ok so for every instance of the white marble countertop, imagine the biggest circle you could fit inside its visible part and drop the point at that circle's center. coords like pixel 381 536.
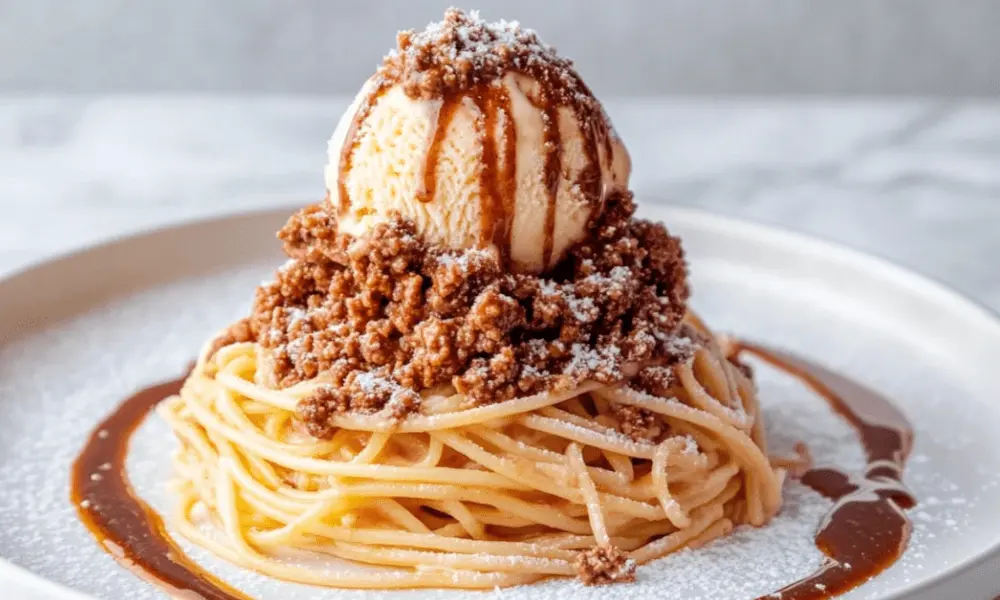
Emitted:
pixel 914 181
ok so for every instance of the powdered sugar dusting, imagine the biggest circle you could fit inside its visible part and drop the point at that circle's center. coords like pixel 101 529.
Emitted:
pixel 477 41
pixel 296 315
pixel 587 359
pixel 466 259
pixel 373 384
pixel 464 50
pixel 583 309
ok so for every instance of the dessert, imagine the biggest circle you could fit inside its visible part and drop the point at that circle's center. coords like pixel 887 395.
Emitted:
pixel 468 344
pixel 477 368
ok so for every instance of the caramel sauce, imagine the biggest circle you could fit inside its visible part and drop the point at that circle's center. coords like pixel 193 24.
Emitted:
pixel 491 210
pixel 609 149
pixel 351 140
pixel 867 528
pixel 508 178
pixel 124 525
pixel 550 176
pixel 498 175
pixel 438 130
pixel 591 178
pixel 864 532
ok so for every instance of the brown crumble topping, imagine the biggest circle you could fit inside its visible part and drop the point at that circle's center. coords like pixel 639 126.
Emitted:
pixel 655 379
pixel 237 333
pixel 695 337
pixel 358 391
pixel 464 51
pixel 602 565
pixel 382 317
pixel 638 423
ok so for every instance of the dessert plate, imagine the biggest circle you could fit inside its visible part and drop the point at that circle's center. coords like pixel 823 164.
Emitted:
pixel 79 333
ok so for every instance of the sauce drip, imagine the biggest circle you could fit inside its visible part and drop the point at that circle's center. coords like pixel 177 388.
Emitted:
pixel 438 129
pixel 125 526
pixel 608 143
pixel 550 176
pixel 591 179
pixel 497 179
pixel 351 140
pixel 866 528
pixel 508 188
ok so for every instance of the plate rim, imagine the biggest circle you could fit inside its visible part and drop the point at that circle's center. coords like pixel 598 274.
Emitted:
pixel 912 281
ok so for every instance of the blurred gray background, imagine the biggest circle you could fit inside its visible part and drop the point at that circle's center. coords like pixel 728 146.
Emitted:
pixel 636 47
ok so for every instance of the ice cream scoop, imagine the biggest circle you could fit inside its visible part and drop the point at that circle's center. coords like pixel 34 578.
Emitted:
pixel 482 136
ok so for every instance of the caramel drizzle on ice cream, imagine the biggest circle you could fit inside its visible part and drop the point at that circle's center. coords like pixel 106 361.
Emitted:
pixel 498 175
pixel 498 180
pixel 551 172
pixel 438 130
pixel 351 140
pixel 426 71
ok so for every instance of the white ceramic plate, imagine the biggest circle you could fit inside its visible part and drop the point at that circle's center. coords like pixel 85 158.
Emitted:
pixel 79 333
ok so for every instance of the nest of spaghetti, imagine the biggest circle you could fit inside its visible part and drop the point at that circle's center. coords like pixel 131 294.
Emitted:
pixel 454 424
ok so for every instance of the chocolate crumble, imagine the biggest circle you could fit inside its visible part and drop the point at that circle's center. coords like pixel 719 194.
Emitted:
pixel 238 332
pixel 464 51
pixel 382 317
pixel 358 391
pixel 602 565
pixel 638 423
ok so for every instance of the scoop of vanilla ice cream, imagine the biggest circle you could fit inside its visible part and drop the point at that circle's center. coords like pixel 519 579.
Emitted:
pixel 397 140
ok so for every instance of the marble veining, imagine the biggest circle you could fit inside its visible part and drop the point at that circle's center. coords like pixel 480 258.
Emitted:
pixel 915 181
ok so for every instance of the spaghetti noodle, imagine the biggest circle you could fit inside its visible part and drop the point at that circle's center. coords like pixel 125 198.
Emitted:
pixel 497 495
